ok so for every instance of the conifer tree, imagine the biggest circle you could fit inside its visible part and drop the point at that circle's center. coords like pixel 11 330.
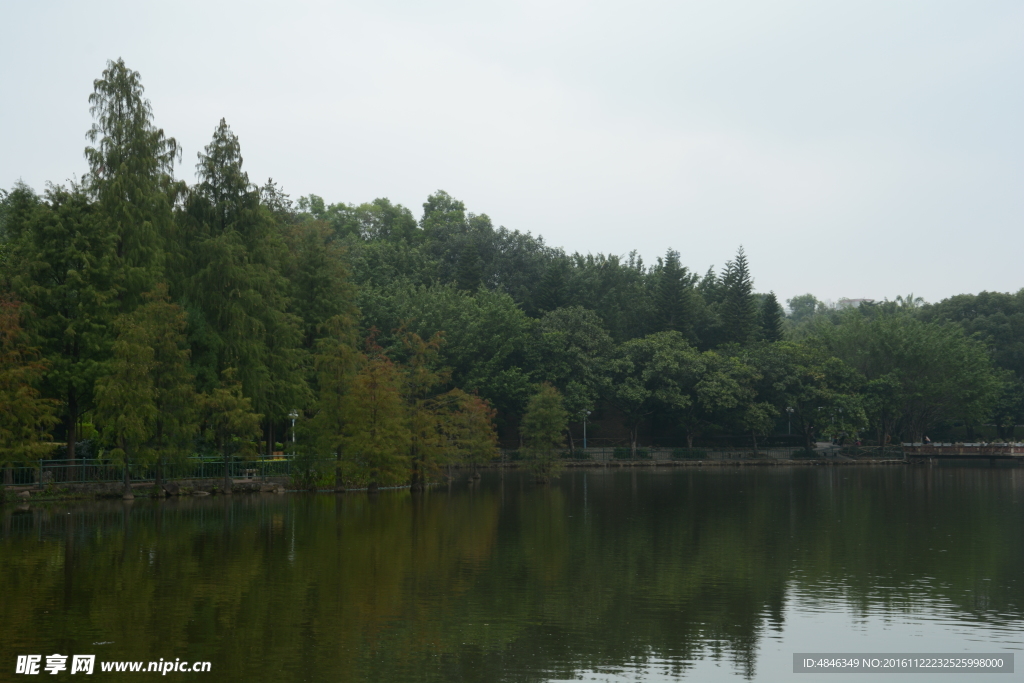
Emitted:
pixel 543 431
pixel 336 363
pixel 427 415
pixel 125 397
pixel 321 286
pixel 470 428
pixel 63 260
pixel 551 291
pixel 675 298
pixel 25 415
pixel 231 424
pixel 771 318
pixel 174 397
pixel 234 286
pixel 130 172
pixel 376 432
pixel 738 310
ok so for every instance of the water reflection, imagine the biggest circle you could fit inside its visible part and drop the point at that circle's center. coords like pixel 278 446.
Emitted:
pixel 604 574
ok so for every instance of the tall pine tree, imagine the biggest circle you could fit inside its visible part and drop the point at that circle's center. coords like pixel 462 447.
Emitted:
pixel 738 311
pixel 234 287
pixel 771 318
pixel 674 296
pixel 131 165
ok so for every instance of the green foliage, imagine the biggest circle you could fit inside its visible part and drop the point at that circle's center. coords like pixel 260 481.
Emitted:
pixel 675 300
pixel 130 173
pixel 654 373
pixel 230 424
pixel 772 319
pixel 543 431
pixel 265 299
pixel 25 416
pixel 174 396
pixel 737 309
pixel 376 435
pixel 125 395
pixel 923 373
pixel 63 271
pixel 574 353
pixel 232 259
pixel 336 363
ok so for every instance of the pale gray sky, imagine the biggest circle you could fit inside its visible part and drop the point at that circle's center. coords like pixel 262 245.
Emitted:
pixel 858 149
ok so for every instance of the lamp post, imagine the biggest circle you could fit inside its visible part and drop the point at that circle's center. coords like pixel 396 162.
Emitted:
pixel 584 414
pixel 789 411
pixel 293 415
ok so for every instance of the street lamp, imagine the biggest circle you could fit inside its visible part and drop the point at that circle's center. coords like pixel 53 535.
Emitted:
pixel 790 412
pixel 584 414
pixel 293 415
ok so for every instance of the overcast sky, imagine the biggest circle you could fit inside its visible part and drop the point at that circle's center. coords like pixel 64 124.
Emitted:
pixel 857 149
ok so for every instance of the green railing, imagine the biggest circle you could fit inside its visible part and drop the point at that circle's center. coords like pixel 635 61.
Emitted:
pixel 61 472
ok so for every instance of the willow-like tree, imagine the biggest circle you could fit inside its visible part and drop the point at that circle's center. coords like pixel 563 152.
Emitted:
pixel 131 166
pixel 543 431
pixel 25 415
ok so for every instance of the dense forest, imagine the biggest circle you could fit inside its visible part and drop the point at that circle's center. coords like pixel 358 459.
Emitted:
pixel 143 318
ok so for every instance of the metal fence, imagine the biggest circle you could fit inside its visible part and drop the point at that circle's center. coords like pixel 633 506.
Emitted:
pixel 620 454
pixel 59 472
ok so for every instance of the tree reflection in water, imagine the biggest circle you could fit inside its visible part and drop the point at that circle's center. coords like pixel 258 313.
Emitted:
pixel 505 580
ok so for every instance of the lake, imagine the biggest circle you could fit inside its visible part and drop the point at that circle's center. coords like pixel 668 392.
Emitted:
pixel 702 574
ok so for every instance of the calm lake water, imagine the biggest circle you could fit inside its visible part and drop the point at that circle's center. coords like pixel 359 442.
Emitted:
pixel 714 574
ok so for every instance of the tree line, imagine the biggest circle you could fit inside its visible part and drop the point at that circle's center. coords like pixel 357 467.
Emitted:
pixel 144 318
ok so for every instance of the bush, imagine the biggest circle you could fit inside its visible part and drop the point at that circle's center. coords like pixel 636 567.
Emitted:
pixel 804 454
pixel 689 454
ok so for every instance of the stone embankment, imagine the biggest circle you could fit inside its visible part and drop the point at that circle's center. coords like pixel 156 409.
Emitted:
pixel 187 487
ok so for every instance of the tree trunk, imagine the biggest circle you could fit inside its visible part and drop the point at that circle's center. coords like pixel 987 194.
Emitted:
pixel 159 480
pixel 127 479
pixel 753 435
pixel 339 483
pixel 227 473
pixel 8 475
pixel 72 423
pixel 689 440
